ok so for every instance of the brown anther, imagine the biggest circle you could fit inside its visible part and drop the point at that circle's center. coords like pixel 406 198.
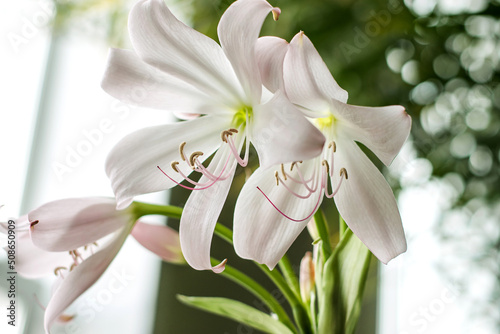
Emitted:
pixel 224 134
pixel 73 265
pixel 33 223
pixel 283 171
pixel 344 171
pixel 332 144
pixel 65 318
pixel 95 244
pixel 293 164
pixel 56 271
pixel 174 165
pixel 325 163
pixel 233 130
pixel 277 178
pixel 194 156
pixel 181 150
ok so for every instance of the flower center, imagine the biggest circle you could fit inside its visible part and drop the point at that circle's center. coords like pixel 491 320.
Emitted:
pixel 324 122
pixel 242 117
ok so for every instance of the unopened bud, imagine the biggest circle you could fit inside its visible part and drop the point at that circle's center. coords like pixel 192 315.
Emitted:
pixel 306 277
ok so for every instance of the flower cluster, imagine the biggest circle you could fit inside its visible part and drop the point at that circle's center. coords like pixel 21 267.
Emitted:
pixel 279 97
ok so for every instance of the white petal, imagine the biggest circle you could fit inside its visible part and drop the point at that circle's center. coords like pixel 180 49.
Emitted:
pixel 308 80
pixel 131 80
pixel 132 164
pixel 270 53
pixel 367 204
pixel 261 233
pixel 168 44
pixel 201 212
pixel 280 133
pixel 70 223
pixel 238 32
pixel 161 240
pixel 82 277
pixel 383 130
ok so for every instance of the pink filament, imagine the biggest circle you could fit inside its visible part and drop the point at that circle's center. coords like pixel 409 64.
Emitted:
pixel 202 187
pixel 289 218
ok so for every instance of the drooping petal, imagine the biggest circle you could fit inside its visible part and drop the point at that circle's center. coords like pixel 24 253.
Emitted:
pixel 201 212
pixel 262 233
pixel 238 31
pixel 132 164
pixel 383 130
pixel 131 80
pixel 161 240
pixel 70 223
pixel 270 52
pixel 280 133
pixel 367 204
pixel 82 277
pixel 308 80
pixel 168 44
pixel 31 261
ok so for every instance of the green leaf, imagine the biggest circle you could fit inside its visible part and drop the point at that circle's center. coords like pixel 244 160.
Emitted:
pixel 343 283
pixel 237 311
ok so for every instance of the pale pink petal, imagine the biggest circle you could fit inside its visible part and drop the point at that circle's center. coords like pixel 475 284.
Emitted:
pixel 70 223
pixel 280 133
pixel 367 204
pixel 82 277
pixel 270 53
pixel 31 261
pixel 132 164
pixel 168 44
pixel 383 130
pixel 262 233
pixel 161 240
pixel 131 80
pixel 308 81
pixel 238 32
pixel 201 212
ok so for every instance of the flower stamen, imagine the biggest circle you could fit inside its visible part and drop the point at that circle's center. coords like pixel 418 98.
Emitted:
pixel 181 151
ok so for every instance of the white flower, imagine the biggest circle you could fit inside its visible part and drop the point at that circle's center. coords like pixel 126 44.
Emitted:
pixel 288 198
pixel 187 72
pixel 75 225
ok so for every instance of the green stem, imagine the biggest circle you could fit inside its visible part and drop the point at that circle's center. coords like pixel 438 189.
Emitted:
pixel 143 209
pixel 298 308
pixel 257 290
pixel 319 219
pixel 342 227
pixel 289 274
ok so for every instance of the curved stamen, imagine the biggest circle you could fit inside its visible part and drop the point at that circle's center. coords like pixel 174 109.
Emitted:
pixel 242 162
pixel 294 193
pixel 343 174
pixel 283 171
pixel 57 271
pixel 313 179
pixel 290 218
pixel 302 180
pixel 202 187
pixel 181 151
pixel 193 157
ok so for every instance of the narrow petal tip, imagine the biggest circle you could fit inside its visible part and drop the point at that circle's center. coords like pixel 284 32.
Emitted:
pixel 276 13
pixel 220 267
